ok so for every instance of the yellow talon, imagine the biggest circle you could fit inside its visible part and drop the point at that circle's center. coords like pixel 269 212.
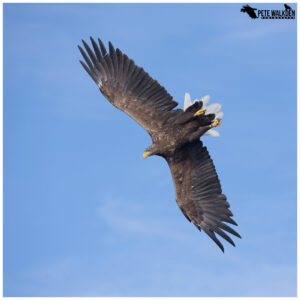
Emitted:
pixel 199 112
pixel 216 123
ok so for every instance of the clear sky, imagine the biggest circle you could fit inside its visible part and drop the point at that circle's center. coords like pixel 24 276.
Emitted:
pixel 84 214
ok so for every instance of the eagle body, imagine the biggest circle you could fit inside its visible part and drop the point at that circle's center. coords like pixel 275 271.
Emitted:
pixel 169 130
pixel 175 135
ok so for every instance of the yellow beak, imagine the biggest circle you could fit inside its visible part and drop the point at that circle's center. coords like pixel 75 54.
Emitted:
pixel 146 154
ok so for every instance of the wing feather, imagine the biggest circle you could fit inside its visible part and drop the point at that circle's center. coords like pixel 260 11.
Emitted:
pixel 102 47
pixel 92 74
pixel 127 86
pixel 96 49
pixel 90 53
pixel 87 60
pixel 111 49
pixel 120 64
pixel 125 69
pixel 199 193
pixel 110 67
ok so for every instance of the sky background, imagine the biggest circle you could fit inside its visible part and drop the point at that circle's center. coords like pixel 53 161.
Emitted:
pixel 84 214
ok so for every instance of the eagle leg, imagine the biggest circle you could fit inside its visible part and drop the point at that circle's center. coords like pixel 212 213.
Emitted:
pixel 199 132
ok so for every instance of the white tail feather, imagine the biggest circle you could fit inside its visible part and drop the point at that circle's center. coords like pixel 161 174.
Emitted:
pixel 187 101
pixel 213 108
pixel 205 99
pixel 219 115
pixel 212 132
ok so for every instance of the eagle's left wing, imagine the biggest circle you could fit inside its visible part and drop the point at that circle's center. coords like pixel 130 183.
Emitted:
pixel 198 191
pixel 127 86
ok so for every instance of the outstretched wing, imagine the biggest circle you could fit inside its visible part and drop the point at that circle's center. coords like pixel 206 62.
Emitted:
pixel 127 86
pixel 198 192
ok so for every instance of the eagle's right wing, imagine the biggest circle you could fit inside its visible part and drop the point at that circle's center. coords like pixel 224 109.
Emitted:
pixel 198 191
pixel 127 86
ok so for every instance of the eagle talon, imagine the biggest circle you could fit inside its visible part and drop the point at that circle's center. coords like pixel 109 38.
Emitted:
pixel 199 112
pixel 216 123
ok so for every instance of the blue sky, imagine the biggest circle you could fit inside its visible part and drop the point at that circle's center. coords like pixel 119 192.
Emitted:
pixel 84 214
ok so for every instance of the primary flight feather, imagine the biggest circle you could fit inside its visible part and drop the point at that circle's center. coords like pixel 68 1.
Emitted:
pixel 175 134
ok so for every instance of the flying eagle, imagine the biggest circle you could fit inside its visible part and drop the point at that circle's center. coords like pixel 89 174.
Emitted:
pixel 175 134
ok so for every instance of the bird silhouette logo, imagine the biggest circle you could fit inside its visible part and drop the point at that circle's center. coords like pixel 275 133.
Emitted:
pixel 250 11
pixel 254 13
pixel 287 7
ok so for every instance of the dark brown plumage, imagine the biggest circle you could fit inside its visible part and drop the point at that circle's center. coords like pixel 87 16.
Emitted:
pixel 175 135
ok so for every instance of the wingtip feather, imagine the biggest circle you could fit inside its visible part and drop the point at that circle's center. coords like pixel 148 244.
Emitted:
pixel 224 236
pixel 111 48
pixel 102 47
pixel 214 238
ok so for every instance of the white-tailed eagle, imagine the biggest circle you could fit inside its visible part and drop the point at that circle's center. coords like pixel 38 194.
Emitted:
pixel 175 134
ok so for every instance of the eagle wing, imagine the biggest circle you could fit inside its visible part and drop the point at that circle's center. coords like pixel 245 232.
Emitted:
pixel 198 191
pixel 127 86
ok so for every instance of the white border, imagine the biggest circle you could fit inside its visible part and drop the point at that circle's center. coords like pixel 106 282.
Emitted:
pixel 1 148
pixel 147 1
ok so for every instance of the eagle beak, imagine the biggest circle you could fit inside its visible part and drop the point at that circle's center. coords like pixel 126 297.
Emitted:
pixel 146 154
